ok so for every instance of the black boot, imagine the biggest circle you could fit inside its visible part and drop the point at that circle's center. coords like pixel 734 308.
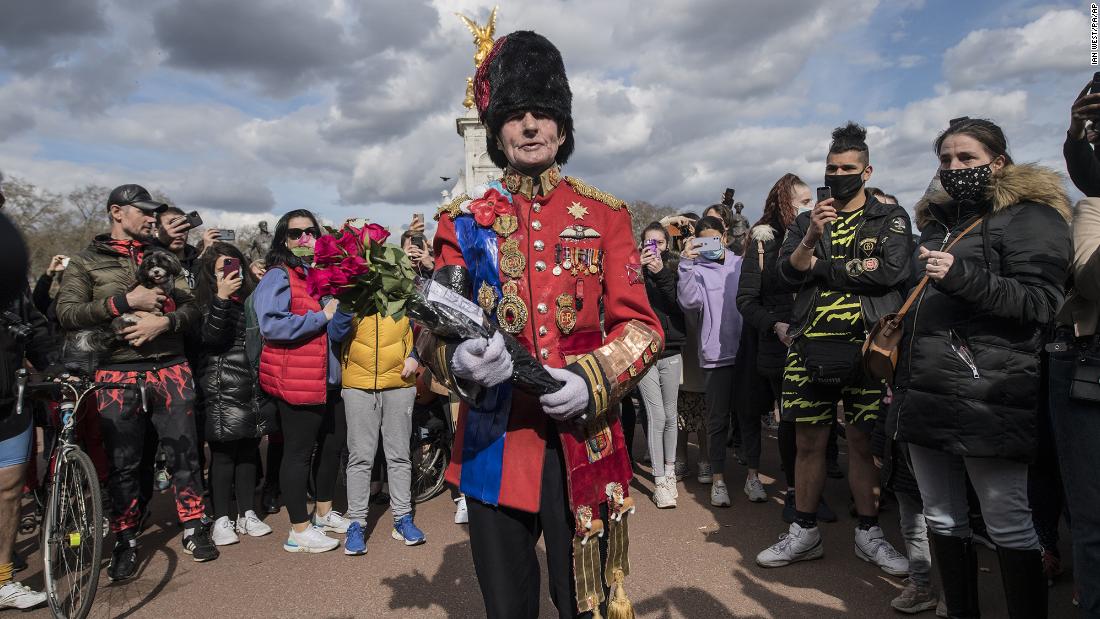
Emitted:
pixel 957 560
pixel 1025 584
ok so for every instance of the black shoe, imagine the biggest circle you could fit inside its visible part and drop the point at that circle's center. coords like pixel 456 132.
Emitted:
pixel 957 560
pixel 1024 582
pixel 200 546
pixel 824 512
pixel 18 563
pixel 788 507
pixel 124 559
pixel 833 470
pixel 269 500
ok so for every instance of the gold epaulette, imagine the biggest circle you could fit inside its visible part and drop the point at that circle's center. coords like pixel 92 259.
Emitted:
pixel 451 208
pixel 592 193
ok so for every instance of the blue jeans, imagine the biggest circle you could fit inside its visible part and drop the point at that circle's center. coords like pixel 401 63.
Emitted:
pixel 1077 434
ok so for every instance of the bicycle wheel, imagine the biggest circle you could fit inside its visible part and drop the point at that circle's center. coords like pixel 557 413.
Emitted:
pixel 430 458
pixel 72 536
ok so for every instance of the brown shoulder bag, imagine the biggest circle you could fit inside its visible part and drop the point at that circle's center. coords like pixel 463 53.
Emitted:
pixel 880 349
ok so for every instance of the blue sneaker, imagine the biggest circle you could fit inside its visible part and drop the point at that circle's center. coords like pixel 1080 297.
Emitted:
pixel 405 531
pixel 356 542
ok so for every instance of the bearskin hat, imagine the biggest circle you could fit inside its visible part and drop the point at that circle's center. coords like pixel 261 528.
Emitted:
pixel 523 72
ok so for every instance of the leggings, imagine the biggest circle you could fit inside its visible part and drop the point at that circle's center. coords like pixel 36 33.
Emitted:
pixel 304 426
pixel 660 387
pixel 233 463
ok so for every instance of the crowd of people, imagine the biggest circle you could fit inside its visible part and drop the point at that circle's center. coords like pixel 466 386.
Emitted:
pixel 984 433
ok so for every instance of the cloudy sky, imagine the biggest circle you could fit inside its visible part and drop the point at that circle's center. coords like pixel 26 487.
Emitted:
pixel 246 109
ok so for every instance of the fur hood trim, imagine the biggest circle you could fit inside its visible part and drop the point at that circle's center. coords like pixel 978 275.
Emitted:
pixel 1012 185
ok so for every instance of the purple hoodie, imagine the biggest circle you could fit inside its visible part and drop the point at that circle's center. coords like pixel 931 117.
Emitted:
pixel 709 290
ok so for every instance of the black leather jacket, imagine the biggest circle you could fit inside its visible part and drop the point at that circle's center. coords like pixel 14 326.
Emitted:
pixel 879 289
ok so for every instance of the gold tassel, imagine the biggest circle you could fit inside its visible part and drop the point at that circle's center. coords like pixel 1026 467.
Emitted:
pixel 619 607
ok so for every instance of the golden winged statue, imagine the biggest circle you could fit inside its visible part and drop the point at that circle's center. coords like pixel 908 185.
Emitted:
pixel 483 35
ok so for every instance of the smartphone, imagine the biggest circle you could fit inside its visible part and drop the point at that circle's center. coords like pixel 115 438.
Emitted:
pixel 419 241
pixel 651 245
pixel 227 235
pixel 824 193
pixel 418 217
pixel 193 219
pixel 230 266
pixel 706 243
pixel 1095 87
pixel 65 262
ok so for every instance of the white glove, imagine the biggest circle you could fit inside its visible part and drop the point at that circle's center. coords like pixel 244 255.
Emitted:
pixel 485 362
pixel 569 401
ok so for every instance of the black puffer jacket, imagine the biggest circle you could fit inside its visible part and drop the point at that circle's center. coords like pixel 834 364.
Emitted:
pixel 884 235
pixel 968 374
pixel 763 298
pixel 236 407
pixel 660 287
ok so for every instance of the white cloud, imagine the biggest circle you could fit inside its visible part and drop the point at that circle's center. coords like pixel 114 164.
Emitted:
pixel 1057 41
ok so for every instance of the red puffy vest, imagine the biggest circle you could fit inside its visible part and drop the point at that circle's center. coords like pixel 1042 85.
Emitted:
pixel 296 372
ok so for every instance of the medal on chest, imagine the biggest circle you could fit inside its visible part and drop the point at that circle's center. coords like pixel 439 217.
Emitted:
pixel 512 261
pixel 567 313
pixel 511 311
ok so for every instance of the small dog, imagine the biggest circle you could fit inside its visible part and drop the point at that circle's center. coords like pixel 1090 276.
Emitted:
pixel 158 269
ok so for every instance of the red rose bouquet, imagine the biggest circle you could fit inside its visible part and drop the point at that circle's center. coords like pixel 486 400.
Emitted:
pixel 357 267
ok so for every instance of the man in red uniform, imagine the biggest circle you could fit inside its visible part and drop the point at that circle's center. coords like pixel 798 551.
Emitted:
pixel 553 261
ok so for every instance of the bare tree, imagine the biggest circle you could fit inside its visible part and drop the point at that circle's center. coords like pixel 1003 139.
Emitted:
pixel 644 213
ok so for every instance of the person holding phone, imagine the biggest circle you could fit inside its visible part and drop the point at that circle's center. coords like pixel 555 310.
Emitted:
pixel 659 386
pixel 237 410
pixel 707 287
pixel 1082 160
pixel 300 370
pixel 416 248
pixel 847 258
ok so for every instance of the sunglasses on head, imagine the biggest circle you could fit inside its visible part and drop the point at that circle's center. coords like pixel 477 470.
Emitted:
pixel 296 233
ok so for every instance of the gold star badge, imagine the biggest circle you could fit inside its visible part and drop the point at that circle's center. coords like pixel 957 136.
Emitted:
pixel 578 210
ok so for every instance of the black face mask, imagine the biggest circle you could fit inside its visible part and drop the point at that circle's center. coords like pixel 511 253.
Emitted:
pixel 966 183
pixel 844 186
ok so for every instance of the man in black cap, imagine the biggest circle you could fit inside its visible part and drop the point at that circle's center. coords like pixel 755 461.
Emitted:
pixel 99 287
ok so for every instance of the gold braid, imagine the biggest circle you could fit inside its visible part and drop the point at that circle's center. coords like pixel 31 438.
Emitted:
pixel 592 193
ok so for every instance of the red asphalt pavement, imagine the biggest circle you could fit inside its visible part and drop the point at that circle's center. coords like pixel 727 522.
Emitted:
pixel 688 562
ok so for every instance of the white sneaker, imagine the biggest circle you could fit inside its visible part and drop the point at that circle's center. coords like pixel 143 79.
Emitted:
pixel 17 595
pixel 872 547
pixel 332 521
pixel 662 493
pixel 222 533
pixel 681 470
pixel 797 544
pixel 251 525
pixel 719 496
pixel 670 475
pixel 461 515
pixel 312 539
pixel 754 489
pixel 706 473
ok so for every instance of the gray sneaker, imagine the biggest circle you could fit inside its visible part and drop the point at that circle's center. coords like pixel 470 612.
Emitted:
pixel 915 598
pixel 797 544
pixel 872 547
pixel 754 489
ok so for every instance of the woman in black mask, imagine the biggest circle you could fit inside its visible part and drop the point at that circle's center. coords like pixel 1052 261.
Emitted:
pixel 967 386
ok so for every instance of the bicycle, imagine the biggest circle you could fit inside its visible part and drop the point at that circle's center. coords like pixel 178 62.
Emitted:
pixel 73 527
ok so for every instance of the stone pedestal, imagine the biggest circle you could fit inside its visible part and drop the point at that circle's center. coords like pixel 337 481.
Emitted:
pixel 478 169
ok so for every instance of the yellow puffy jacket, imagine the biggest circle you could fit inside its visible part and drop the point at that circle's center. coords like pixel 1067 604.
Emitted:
pixel 375 354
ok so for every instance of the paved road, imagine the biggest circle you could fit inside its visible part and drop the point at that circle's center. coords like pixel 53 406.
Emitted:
pixel 693 561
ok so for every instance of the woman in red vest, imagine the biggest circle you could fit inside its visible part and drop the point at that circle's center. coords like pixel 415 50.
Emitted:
pixel 298 369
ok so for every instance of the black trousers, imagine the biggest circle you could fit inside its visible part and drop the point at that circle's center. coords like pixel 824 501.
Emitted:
pixel 304 426
pixel 503 542
pixel 233 467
